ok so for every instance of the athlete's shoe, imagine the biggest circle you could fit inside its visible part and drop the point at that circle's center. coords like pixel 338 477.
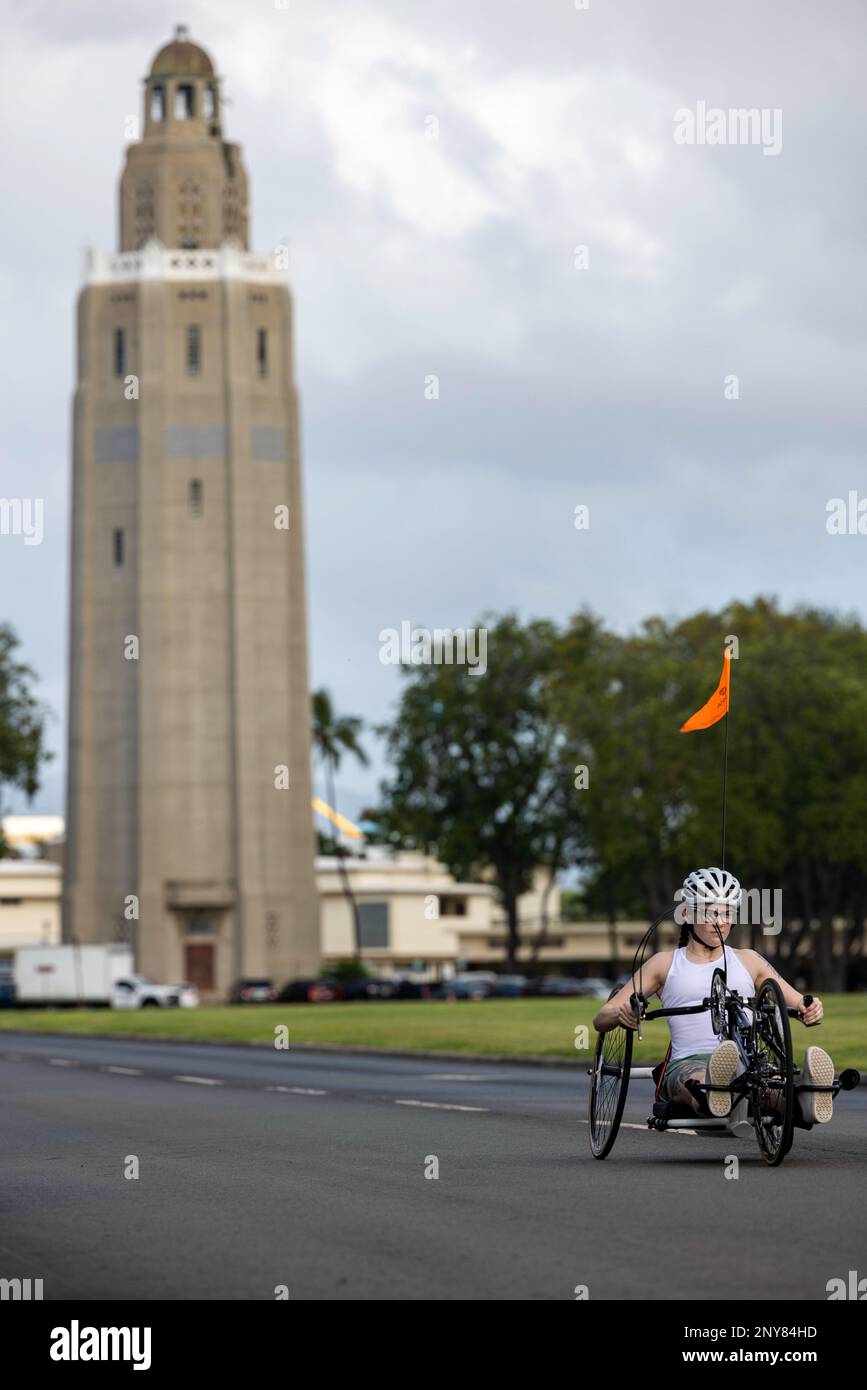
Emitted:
pixel 722 1068
pixel 817 1107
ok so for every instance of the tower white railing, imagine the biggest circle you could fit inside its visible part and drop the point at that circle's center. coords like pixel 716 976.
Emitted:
pixel 157 262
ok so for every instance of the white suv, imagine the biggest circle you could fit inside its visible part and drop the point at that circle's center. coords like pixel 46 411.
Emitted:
pixel 137 992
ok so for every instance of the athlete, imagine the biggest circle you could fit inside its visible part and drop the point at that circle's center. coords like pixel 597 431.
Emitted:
pixel 682 977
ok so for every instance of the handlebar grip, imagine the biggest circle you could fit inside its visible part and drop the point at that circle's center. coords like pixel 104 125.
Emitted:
pixel 639 1004
pixel 808 999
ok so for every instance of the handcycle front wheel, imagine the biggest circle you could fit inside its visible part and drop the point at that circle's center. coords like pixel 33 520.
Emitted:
pixel 609 1083
pixel 718 1016
pixel 773 1074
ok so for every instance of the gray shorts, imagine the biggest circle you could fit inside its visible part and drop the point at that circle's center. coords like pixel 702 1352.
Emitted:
pixel 681 1070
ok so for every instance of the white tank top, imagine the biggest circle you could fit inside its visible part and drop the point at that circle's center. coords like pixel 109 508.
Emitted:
pixel 686 983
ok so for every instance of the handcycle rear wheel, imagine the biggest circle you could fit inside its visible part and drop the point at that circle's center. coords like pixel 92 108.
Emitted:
pixel 609 1083
pixel 773 1072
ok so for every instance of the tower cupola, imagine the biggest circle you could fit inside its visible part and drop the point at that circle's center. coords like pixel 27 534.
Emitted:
pixel 182 92
pixel 183 184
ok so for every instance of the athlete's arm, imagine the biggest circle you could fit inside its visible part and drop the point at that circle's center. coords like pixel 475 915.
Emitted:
pixel 618 1012
pixel 762 970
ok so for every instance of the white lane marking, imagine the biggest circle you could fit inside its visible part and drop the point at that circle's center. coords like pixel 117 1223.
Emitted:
pixel 199 1080
pixel 123 1071
pixel 451 1076
pixel 61 1062
pixel 437 1105
pixel 665 1131
pixel 626 1125
pixel 297 1090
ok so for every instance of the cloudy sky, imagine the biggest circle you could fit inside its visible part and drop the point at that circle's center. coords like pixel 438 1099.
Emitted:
pixel 434 167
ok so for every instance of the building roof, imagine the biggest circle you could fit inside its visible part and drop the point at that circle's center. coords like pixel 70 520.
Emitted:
pixel 29 868
pixel 182 58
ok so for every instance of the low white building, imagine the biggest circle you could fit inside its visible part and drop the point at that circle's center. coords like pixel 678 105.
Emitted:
pixel 413 915
pixel 29 904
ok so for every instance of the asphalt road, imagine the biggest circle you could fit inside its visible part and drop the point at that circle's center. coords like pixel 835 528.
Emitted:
pixel 260 1168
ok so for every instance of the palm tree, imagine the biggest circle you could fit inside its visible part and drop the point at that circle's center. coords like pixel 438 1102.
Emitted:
pixel 334 736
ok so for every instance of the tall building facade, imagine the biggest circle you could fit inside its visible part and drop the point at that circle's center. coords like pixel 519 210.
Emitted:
pixel 188 799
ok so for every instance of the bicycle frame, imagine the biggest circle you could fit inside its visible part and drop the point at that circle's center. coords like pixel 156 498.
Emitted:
pixel 740 1026
pixel 763 1091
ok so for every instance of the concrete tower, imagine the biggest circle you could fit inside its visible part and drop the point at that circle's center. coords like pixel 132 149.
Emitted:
pixel 188 654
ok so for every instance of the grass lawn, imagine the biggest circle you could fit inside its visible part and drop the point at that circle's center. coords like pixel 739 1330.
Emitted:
pixel 510 1027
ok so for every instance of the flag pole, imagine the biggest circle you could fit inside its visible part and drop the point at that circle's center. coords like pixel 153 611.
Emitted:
pixel 712 711
pixel 725 782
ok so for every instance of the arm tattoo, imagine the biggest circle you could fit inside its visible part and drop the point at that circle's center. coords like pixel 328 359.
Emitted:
pixel 767 964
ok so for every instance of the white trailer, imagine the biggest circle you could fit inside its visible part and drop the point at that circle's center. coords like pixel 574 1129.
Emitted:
pixel 70 974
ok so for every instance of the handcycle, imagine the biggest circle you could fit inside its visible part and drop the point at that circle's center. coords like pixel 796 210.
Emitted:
pixel 763 1094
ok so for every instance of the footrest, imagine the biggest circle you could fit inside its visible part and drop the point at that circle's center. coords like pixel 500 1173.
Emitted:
pixel 673 1110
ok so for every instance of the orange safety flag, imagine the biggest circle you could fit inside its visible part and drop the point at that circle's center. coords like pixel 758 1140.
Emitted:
pixel 717 705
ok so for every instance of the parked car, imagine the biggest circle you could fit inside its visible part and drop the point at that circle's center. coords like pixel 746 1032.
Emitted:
pixel 252 992
pixel 138 992
pixel 385 987
pixel 593 988
pixel 472 985
pixel 509 987
pixel 554 986
pixel 373 987
pixel 321 991
pixel 413 989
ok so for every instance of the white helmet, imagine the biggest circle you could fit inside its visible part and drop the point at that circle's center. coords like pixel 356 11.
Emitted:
pixel 704 886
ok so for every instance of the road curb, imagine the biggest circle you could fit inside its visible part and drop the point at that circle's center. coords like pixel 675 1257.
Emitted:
pixel 523 1059
pixel 354 1049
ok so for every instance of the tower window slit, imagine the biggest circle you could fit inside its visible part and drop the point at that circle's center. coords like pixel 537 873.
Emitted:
pixel 196 497
pixel 194 349
pixel 118 548
pixel 119 352
pixel 262 351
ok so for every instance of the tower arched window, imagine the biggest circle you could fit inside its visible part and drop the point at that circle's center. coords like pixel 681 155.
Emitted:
pixel 158 103
pixel 184 101
pixel 209 103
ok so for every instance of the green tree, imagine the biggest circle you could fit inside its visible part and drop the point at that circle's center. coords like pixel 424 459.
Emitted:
pixel 484 770
pixel 797 785
pixel 481 774
pixel 22 725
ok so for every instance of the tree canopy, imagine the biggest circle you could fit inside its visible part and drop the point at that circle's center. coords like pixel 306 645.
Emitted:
pixel 22 724
pixel 487 769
